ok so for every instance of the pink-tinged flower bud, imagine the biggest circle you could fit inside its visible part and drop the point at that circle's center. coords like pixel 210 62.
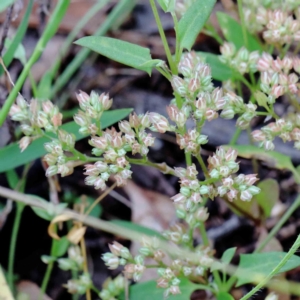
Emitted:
pixel 191 171
pixel 174 290
pixel 231 154
pixel 179 198
pixel 15 109
pixel 111 155
pixel 116 141
pixel 250 179
pixel 162 283
pixel 159 122
pixel 293 78
pixel 227 182
pixel 121 162
pixel 293 88
pixel 265 78
pixel 81 119
pixel 296 64
pixel 201 214
pixel 125 127
pixel 110 260
pixel 50 159
pixel 228 50
pixel 224 171
pixel 99 184
pixel 120 181
pixel 283 79
pixel 232 194
pixel 179 85
pixel 56 120
pixel 246 195
pixel 48 107
pixel 99 142
pixel 51 171
pixel 193 85
pixel 268 145
pixel 277 65
pixel 144 119
pixel 134 120
pixel 296 134
pixel 83 99
pixel 24 142
pixel 105 101
pixel 211 114
pixel 22 103
pixel 148 140
pixel 287 63
pixel 63 170
pixel 196 198
pixel 277 91
pixel 258 135
pixel 125 174
pixel 116 248
pixel 173 112
pixel 222 190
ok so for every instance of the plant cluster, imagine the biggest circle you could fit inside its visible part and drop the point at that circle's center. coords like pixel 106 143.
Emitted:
pixel 267 74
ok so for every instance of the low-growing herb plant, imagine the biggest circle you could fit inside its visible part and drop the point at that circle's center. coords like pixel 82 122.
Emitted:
pixel 257 65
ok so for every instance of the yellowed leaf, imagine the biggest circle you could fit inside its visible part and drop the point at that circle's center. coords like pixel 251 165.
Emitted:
pixel 5 292
pixel 76 234
pixel 52 225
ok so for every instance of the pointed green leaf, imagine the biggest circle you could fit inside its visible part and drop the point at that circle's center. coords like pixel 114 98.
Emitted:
pixel 167 5
pixel 219 71
pixel 5 4
pixel 228 255
pixel 123 52
pixel 233 33
pixel 268 195
pixel 263 264
pixel 193 21
pixel 11 156
pixel 60 247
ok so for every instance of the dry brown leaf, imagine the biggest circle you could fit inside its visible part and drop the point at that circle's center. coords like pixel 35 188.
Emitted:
pixel 28 290
pixel 76 234
pixel 273 245
pixel 150 209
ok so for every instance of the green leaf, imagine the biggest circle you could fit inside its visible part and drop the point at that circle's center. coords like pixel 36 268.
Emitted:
pixel 272 158
pixel 11 157
pixel 263 264
pixel 233 33
pixel 20 52
pixel 192 22
pixel 44 87
pixel 138 228
pixel 60 247
pixel 51 210
pixel 268 196
pixel 167 5
pixel 219 71
pixel 148 290
pixel 123 52
pixel 228 255
pixel 9 54
pixel 262 99
pixel 224 296
pixel 12 178
pixel 5 4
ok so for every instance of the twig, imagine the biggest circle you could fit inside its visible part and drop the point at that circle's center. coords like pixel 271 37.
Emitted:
pixel 6 24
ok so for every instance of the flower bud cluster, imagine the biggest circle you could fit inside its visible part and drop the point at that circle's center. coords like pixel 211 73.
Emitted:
pixel 168 281
pixel 277 76
pixel 92 107
pixel 285 129
pixel 34 117
pixel 279 26
pixel 112 288
pixel 188 200
pixel 196 77
pixel 235 105
pixel 191 141
pixel 113 146
pixel 56 157
pixel 80 285
pixel 242 61
pixel 74 261
pixel 178 234
pixel 221 166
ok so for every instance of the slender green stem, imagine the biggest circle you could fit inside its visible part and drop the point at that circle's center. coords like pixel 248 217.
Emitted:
pixel 211 31
pixel 163 37
pixel 236 136
pixel 279 224
pixel 178 49
pixel 202 165
pixel 188 158
pixel 164 168
pixel 47 274
pixel 50 30
pixel 230 283
pixel 276 270
pixel 204 234
pixel 13 243
pixel 244 29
